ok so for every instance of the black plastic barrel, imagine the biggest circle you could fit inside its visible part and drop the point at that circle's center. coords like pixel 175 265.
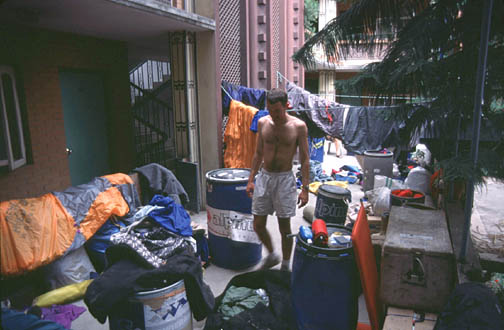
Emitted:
pixel 332 204
pixel 325 285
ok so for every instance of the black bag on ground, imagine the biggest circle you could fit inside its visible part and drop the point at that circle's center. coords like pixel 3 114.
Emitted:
pixel 278 315
pixel 471 306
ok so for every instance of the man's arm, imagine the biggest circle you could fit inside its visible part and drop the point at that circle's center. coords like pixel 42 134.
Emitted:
pixel 256 160
pixel 305 163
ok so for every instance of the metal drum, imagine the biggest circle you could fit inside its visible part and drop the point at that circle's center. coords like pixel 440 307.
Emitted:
pixel 232 240
pixel 165 308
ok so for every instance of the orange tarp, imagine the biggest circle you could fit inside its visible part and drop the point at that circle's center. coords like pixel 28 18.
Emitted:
pixel 105 204
pixel 37 231
pixel 239 139
pixel 366 263
pixel 34 232
pixel 118 178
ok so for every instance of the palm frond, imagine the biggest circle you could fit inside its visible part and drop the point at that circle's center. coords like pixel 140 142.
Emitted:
pixel 361 27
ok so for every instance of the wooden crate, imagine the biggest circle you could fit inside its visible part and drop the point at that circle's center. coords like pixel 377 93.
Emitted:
pixel 402 319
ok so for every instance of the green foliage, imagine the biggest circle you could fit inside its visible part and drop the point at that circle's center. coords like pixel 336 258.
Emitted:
pixel 432 56
pixel 311 12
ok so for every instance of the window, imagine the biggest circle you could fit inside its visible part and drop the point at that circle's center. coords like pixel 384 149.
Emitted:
pixel 12 145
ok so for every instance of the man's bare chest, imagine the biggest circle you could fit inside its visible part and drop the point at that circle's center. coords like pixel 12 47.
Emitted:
pixel 280 137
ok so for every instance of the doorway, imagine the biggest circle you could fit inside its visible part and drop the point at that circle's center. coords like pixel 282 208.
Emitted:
pixel 85 117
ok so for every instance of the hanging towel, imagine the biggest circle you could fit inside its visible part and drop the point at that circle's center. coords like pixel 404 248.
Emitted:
pixel 240 140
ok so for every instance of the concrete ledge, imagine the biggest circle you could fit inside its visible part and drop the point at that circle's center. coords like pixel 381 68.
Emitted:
pixel 492 262
pixel 163 9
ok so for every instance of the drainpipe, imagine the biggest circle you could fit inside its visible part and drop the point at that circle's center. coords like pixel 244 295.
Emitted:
pixel 478 100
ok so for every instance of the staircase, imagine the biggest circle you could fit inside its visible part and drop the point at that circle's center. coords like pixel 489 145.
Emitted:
pixel 151 100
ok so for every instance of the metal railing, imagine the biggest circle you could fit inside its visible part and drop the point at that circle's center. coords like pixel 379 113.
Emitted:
pixel 187 5
pixel 151 100
pixel 149 75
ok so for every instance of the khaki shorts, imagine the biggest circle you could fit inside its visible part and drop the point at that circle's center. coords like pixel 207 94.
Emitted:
pixel 275 192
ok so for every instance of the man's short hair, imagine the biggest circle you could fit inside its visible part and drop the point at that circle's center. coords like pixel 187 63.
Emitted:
pixel 277 95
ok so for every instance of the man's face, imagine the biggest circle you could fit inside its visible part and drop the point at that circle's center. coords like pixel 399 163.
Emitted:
pixel 277 112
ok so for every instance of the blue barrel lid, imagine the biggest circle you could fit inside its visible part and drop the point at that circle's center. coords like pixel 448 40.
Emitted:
pixel 329 251
pixel 335 190
pixel 229 175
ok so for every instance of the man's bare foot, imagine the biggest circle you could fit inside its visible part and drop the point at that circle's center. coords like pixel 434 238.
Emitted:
pixel 271 260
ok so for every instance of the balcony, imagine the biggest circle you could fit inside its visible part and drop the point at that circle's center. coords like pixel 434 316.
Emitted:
pixel 137 21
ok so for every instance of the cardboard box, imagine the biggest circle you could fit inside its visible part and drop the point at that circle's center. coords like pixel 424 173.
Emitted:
pixel 375 223
pixel 402 319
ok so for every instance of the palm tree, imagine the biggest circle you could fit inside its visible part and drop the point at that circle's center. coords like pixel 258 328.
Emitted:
pixel 431 56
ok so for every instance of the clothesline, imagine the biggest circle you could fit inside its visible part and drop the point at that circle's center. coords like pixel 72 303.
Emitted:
pixel 324 108
pixel 346 106
pixel 227 93
pixel 281 76
pixel 361 96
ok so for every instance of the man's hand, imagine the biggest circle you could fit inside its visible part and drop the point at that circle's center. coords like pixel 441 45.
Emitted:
pixel 250 189
pixel 303 198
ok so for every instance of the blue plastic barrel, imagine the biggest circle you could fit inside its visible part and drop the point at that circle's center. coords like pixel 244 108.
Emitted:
pixel 332 204
pixel 232 241
pixel 325 285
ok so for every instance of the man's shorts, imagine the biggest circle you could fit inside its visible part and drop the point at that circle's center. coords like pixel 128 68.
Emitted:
pixel 275 192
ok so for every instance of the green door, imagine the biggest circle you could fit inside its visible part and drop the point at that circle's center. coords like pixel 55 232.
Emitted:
pixel 83 100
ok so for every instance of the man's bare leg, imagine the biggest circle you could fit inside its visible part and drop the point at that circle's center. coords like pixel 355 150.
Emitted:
pixel 284 226
pixel 337 145
pixel 260 228
pixel 262 232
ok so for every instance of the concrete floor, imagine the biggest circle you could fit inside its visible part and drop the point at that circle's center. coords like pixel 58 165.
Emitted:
pixel 217 278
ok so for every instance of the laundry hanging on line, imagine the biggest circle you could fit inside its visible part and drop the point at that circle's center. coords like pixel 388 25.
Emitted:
pixel 255 120
pixel 367 129
pixel 360 128
pixel 239 139
pixel 248 96
pixel 316 148
pixel 326 117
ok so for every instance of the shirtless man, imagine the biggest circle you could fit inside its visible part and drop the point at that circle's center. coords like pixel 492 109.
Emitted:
pixel 274 190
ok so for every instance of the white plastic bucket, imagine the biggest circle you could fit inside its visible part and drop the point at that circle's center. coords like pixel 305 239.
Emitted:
pixel 166 308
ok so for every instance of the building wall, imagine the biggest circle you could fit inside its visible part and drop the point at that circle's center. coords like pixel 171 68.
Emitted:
pixel 37 57
pixel 230 41
pixel 258 38
pixel 209 100
pixel 294 39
